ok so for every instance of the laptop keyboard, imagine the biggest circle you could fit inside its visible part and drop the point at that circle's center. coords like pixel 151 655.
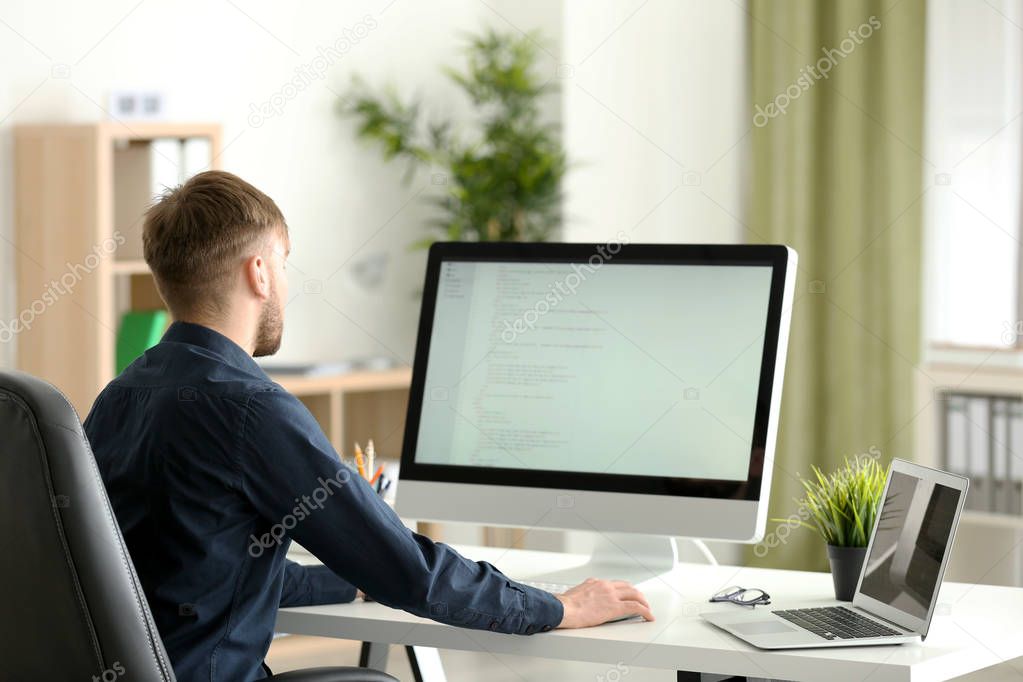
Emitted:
pixel 836 622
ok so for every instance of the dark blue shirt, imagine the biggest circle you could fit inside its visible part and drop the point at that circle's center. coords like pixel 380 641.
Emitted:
pixel 213 469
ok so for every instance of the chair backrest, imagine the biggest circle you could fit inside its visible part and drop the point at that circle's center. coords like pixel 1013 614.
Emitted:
pixel 73 606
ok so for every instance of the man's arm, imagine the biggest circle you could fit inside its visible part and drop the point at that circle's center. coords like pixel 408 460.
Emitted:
pixel 314 585
pixel 291 472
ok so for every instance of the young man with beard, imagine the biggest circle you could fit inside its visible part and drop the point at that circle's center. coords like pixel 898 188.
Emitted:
pixel 201 452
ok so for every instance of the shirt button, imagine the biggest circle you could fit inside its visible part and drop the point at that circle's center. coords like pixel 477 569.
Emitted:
pixel 546 628
pixel 493 625
pixel 530 629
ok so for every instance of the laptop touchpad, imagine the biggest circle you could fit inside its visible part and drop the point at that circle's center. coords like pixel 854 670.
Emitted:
pixel 763 627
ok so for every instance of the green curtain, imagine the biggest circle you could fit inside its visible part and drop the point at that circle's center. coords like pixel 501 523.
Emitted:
pixel 838 174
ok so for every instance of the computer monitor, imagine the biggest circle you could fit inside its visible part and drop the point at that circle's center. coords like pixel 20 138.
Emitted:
pixel 620 388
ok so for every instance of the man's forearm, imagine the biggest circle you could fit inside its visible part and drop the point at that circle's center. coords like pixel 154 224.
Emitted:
pixel 470 594
pixel 312 585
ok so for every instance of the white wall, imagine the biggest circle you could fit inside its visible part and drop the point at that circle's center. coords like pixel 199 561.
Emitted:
pixel 656 119
pixel 652 100
pixel 344 204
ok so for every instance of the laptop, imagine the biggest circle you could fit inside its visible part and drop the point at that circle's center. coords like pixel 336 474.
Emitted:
pixel 899 581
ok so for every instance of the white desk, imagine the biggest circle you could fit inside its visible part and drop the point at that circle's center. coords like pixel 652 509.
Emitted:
pixel 975 627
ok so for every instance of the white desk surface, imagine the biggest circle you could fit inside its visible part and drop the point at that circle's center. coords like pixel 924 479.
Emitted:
pixel 975 626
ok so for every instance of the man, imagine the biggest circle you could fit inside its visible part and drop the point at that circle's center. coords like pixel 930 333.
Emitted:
pixel 201 452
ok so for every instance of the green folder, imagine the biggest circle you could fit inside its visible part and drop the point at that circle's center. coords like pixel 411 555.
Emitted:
pixel 140 331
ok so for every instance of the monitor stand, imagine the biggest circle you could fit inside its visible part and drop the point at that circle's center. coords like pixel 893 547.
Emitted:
pixel 620 556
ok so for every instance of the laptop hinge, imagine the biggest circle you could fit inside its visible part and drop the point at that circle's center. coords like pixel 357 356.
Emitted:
pixel 893 623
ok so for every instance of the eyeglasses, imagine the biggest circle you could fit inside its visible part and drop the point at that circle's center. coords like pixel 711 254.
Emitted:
pixel 742 596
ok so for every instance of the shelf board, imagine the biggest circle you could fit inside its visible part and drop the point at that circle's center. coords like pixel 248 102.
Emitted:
pixel 131 267
pixel 128 130
pixel 154 130
pixel 350 382
pixel 992 519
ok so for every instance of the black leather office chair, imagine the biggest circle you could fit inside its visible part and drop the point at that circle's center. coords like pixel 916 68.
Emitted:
pixel 73 607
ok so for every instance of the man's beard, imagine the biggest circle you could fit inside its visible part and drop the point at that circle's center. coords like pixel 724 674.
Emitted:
pixel 271 327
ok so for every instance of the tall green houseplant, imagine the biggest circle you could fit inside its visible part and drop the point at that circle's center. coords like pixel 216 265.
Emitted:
pixel 843 507
pixel 501 184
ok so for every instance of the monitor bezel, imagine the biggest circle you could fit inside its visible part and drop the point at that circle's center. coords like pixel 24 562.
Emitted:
pixel 752 489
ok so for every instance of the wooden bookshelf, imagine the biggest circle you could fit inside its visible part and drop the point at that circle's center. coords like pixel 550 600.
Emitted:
pixel 82 188
pixel 80 191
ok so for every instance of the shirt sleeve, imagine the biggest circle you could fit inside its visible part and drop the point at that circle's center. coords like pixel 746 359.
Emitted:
pixel 293 476
pixel 314 585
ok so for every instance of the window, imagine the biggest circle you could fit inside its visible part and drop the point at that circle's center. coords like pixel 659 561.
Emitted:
pixel 972 150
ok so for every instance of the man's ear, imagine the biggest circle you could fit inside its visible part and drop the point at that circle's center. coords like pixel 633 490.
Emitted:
pixel 257 276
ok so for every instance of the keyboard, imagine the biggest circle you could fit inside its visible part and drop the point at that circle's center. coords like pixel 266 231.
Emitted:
pixel 560 588
pixel 553 588
pixel 837 622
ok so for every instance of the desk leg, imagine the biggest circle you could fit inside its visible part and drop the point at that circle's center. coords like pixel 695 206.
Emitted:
pixel 426 664
pixel 374 655
pixel 423 660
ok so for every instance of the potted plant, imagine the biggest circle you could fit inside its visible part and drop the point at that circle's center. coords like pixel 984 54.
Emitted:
pixel 843 508
pixel 502 183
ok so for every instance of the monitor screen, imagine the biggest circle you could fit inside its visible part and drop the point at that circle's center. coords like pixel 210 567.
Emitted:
pixel 910 541
pixel 629 369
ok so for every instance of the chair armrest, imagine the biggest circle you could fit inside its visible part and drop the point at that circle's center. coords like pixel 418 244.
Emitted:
pixel 333 675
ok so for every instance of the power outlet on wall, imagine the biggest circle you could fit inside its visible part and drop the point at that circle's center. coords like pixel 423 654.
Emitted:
pixel 136 104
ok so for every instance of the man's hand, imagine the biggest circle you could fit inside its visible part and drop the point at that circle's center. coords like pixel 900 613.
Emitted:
pixel 597 601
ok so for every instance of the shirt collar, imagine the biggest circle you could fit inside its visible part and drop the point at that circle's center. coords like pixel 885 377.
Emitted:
pixel 204 337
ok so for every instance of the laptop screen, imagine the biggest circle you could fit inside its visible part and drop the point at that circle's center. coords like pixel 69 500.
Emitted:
pixel 910 541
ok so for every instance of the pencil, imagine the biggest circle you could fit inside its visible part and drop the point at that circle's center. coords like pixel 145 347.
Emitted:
pixel 371 455
pixel 380 470
pixel 359 463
